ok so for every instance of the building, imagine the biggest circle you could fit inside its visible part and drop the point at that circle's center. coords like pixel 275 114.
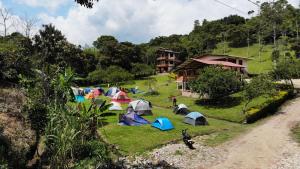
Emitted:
pixel 188 70
pixel 166 60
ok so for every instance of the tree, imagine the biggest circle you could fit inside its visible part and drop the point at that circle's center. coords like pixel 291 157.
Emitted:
pixel 216 82
pixel 86 3
pixel 287 70
pixel 261 85
pixel 142 70
pixel 27 25
pixel 6 20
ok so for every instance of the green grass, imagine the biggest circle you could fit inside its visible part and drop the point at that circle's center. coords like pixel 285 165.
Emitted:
pixel 296 133
pixel 132 140
pixel 137 140
pixel 257 64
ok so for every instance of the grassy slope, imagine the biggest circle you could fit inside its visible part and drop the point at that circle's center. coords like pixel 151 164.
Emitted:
pixel 256 65
pixel 133 140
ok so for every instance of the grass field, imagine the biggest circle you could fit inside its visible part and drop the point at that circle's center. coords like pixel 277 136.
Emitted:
pixel 224 119
pixel 257 64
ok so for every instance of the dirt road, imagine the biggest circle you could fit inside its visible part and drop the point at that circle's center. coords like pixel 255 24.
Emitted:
pixel 266 146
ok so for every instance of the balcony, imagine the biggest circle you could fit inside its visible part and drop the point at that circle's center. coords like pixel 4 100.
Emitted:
pixel 162 65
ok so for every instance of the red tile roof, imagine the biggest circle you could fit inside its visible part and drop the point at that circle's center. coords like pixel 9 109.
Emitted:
pixel 222 63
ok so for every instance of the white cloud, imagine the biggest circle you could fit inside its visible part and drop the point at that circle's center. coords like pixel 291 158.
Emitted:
pixel 49 4
pixel 140 20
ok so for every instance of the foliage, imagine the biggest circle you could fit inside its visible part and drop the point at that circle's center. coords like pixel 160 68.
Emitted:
pixel 261 85
pixel 142 70
pixel 216 82
pixel 86 3
pixel 15 52
pixel 287 70
pixel 268 108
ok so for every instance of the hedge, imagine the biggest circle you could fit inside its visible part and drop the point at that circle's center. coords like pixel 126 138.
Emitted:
pixel 268 108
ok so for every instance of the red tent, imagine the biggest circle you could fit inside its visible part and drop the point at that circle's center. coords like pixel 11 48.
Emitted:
pixel 121 97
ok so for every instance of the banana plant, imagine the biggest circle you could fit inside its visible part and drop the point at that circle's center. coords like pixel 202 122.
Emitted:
pixel 92 114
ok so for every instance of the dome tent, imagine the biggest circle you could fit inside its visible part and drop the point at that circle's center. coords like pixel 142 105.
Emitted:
pixel 181 109
pixel 115 106
pixel 141 107
pixel 121 97
pixel 112 91
pixel 132 119
pixel 163 124
pixel 195 118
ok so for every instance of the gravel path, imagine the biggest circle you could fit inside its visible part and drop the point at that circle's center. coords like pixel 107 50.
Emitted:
pixel 266 146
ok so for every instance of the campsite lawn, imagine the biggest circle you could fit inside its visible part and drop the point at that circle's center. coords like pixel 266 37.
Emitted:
pixel 224 119
pixel 137 140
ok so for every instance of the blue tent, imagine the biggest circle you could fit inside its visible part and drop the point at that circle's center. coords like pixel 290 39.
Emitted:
pixel 87 90
pixel 163 124
pixel 195 118
pixel 79 98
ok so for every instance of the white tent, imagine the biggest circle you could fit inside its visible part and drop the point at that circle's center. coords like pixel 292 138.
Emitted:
pixel 115 106
pixel 141 107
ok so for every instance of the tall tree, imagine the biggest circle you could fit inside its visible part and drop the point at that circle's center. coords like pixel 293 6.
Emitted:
pixel 6 20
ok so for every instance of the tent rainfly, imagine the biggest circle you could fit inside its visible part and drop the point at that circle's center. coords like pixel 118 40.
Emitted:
pixel 181 109
pixel 141 107
pixel 121 97
pixel 163 124
pixel 132 119
pixel 195 118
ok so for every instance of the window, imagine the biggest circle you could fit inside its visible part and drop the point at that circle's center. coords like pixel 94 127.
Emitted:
pixel 171 62
pixel 241 62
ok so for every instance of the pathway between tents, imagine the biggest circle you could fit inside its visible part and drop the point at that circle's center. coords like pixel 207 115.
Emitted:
pixel 266 146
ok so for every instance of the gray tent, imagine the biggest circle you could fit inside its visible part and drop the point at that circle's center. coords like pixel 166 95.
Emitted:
pixel 141 107
pixel 195 118
pixel 181 109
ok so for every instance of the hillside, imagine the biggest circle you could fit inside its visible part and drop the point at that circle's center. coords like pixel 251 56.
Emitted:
pixel 256 65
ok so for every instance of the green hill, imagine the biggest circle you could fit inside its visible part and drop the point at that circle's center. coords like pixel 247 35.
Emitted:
pixel 257 64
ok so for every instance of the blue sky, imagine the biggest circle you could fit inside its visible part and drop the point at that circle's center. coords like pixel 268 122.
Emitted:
pixel 129 20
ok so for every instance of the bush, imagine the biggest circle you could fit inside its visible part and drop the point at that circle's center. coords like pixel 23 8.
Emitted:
pixel 112 74
pixel 96 76
pixel 140 70
pixel 269 108
pixel 216 82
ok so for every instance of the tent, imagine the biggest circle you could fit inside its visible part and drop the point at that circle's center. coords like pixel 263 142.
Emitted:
pixel 115 106
pixel 96 92
pixel 195 118
pixel 75 91
pixel 181 109
pixel 141 107
pixel 79 98
pixel 163 124
pixel 87 90
pixel 132 119
pixel 121 97
pixel 90 95
pixel 112 91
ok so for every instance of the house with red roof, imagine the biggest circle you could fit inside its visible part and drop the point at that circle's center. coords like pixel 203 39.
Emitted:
pixel 188 70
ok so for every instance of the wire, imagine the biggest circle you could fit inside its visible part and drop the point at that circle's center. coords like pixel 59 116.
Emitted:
pixel 220 2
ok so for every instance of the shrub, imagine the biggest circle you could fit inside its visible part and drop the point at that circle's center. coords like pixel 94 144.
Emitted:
pixel 269 108
pixel 96 76
pixel 216 82
pixel 142 70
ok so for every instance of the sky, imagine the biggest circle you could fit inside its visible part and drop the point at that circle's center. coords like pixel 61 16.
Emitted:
pixel 135 21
